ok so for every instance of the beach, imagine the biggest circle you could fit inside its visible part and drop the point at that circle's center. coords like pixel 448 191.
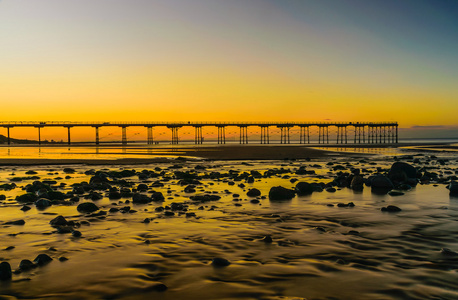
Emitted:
pixel 192 228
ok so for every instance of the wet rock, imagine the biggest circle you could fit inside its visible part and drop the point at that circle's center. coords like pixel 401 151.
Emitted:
pixel 448 252
pixel 400 170
pixel 29 197
pixel 220 262
pixel 330 190
pixel 158 287
pixel 58 221
pixel 42 259
pixel 114 195
pixel 381 184
pixel 391 208
pixel 113 209
pixel 87 207
pixel 69 170
pixel 357 183
pixel 17 222
pixel 26 264
pixel 254 201
pixel 395 193
pixel 42 203
pixel 157 197
pixel 281 193
pixel 349 204
pixel 453 188
pixel 62 259
pixel 205 197
pixel 76 233
pixel 190 188
pixel 64 229
pixel 304 188
pixel 25 208
pixel 141 198
pixel 169 213
pixel 267 239
pixel 253 192
pixel 5 271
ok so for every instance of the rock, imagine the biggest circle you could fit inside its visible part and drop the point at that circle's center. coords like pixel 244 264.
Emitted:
pixel 281 193
pixel 330 190
pixel 5 271
pixel 357 183
pixel 267 239
pixel 220 262
pixel 453 188
pixel 158 287
pixel 114 195
pixel 381 184
pixel 25 208
pixel 42 203
pixel 253 192
pixel 140 198
pixel 304 188
pixel 400 169
pixel 69 170
pixel 76 233
pixel 58 221
pixel 205 197
pixel 29 197
pixel 395 193
pixel 26 264
pixel 448 252
pixel 349 204
pixel 87 207
pixel 17 222
pixel 42 259
pixel 391 208
pixel 254 201
pixel 157 196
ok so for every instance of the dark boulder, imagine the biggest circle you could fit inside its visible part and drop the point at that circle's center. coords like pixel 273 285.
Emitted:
pixel 42 259
pixel 141 198
pixel 157 196
pixel 381 184
pixel 5 271
pixel 220 262
pixel 357 183
pixel 453 188
pixel 87 207
pixel 253 192
pixel 29 197
pixel 281 193
pixel 401 171
pixel 43 203
pixel 304 188
pixel 58 221
pixel 26 264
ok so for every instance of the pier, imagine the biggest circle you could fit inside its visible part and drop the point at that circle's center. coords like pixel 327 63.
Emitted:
pixel 347 132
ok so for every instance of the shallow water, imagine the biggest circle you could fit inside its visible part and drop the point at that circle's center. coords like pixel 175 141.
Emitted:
pixel 313 254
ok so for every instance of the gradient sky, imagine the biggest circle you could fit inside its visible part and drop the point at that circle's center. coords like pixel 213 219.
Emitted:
pixel 167 60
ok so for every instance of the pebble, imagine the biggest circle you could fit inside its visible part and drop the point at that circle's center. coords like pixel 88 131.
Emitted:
pixel 5 271
pixel 42 259
pixel 391 208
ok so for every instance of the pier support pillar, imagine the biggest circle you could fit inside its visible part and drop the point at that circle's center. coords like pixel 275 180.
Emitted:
pixel 8 134
pixel 243 134
pixel 284 135
pixel 198 139
pixel 221 135
pixel 265 139
pixel 39 135
pixel 97 139
pixel 124 135
pixel 69 141
pixel 150 135
pixel 174 134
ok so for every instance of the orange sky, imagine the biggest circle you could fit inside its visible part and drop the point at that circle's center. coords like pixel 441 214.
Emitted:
pixel 225 61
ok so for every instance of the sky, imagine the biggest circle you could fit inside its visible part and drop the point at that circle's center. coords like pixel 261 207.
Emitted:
pixel 231 60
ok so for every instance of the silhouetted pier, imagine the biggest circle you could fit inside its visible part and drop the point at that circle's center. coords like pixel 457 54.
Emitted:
pixel 363 132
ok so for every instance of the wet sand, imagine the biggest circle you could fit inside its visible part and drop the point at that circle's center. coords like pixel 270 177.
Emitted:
pixel 317 248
